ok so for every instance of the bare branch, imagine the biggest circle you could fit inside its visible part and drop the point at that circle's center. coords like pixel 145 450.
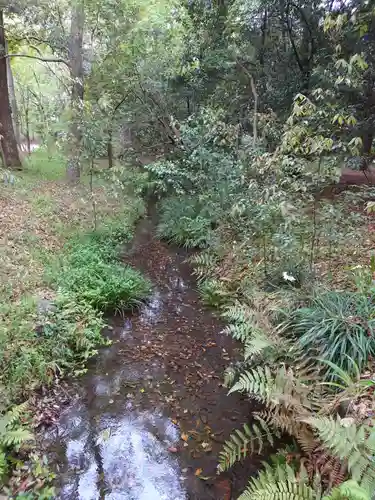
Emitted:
pixel 43 59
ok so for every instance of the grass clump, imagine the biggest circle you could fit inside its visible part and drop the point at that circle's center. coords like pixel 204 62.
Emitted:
pixel 90 272
pixel 337 327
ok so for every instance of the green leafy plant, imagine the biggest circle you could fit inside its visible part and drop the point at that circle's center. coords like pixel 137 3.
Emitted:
pixel 184 222
pixel 337 327
pixel 90 272
pixel 282 483
pixel 330 448
pixel 214 293
pixel 37 348
pixel 13 434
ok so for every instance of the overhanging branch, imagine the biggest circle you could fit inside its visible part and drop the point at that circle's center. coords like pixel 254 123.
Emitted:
pixel 38 58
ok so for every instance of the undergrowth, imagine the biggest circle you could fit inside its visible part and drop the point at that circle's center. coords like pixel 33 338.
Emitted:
pixel 186 222
pixel 268 256
pixel 90 272
pixel 61 272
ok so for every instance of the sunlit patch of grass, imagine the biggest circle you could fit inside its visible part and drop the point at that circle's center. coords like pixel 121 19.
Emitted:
pixel 40 165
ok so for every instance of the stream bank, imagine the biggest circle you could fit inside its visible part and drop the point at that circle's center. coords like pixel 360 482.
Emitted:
pixel 150 416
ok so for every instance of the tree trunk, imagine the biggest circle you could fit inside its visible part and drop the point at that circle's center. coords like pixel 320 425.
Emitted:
pixel 27 125
pixel 76 74
pixel 110 149
pixel 367 140
pixel 13 102
pixel 11 156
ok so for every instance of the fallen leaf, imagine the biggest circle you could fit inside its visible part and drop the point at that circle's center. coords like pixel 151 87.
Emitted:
pixel 184 436
pixel 198 472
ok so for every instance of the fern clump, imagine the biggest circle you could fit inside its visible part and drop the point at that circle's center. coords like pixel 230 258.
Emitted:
pixel 283 483
pixel 185 222
pixel 35 349
pixel 214 293
pixel 331 449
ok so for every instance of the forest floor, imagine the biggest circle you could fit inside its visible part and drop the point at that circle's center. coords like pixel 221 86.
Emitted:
pixel 39 211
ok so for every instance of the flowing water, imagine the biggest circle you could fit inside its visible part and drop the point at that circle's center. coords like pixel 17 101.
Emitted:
pixel 150 416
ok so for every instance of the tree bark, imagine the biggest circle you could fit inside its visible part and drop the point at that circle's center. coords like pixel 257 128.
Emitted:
pixel 11 157
pixel 110 149
pixel 13 102
pixel 76 74
pixel 27 125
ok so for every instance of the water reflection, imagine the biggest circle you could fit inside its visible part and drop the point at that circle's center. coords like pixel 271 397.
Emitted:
pixel 125 459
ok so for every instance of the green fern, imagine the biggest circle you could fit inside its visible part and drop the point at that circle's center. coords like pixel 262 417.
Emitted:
pixel 350 442
pixel 12 433
pixel 348 490
pixel 279 483
pixel 214 292
pixel 14 415
pixel 238 313
pixel 204 264
pixel 282 483
pixel 239 331
pixel 3 463
pixel 251 439
pixel 280 388
pixel 259 343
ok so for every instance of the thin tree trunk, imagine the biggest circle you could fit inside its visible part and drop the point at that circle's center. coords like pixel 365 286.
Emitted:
pixel 76 74
pixel 27 125
pixel 255 119
pixel 8 139
pixel 13 102
pixel 110 149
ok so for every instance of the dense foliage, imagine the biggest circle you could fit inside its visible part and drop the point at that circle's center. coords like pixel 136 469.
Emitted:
pixel 243 116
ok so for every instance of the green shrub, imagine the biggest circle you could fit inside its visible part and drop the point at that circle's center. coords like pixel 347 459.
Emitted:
pixel 337 327
pixel 185 222
pixel 214 293
pixel 34 348
pixel 91 274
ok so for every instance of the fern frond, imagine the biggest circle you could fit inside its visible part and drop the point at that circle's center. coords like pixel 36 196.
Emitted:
pixel 280 388
pixel 288 422
pixel 3 463
pixel 239 331
pixel 279 483
pixel 348 490
pixel 16 437
pixel 258 383
pixel 204 264
pixel 14 414
pixel 238 313
pixel 258 343
pixel 12 432
pixel 350 442
pixel 250 440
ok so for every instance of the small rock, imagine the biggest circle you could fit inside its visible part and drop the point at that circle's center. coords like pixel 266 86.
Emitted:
pixel 45 306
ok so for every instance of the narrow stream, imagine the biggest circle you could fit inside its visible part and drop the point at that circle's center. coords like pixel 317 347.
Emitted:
pixel 150 416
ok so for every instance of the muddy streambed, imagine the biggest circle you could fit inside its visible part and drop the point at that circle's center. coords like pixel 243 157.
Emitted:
pixel 150 416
